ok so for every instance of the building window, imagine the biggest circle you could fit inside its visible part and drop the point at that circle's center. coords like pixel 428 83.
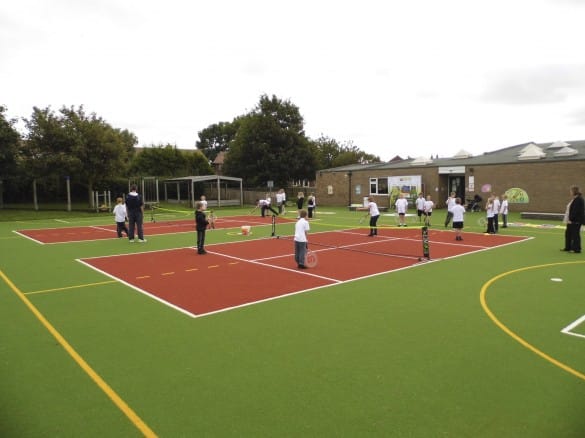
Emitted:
pixel 378 186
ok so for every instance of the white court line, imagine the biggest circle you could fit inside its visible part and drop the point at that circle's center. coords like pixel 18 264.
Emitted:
pixel 28 237
pixel 257 262
pixel 95 227
pixel 567 329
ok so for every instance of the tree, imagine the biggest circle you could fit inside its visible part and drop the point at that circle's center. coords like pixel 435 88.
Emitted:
pixel 330 154
pixel 351 154
pixel 9 140
pixel 270 145
pixel 168 161
pixel 73 143
pixel 216 138
pixel 326 150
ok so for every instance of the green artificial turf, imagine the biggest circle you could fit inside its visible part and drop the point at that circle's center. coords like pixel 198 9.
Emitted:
pixel 406 354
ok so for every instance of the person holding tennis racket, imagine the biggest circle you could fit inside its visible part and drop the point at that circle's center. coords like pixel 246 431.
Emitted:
pixel 374 213
pixel 301 239
pixel 201 224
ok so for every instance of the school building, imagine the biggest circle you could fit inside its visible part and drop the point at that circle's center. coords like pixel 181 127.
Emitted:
pixel 535 178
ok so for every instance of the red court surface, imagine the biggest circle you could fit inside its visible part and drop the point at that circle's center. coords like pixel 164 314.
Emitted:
pixel 242 273
pixel 103 232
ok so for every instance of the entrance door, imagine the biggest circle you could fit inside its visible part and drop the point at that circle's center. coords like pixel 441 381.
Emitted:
pixel 457 184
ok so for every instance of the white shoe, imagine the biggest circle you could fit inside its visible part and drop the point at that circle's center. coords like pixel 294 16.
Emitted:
pixel 142 240
pixel 131 240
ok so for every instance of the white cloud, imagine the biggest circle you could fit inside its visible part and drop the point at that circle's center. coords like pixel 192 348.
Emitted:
pixel 396 78
pixel 539 85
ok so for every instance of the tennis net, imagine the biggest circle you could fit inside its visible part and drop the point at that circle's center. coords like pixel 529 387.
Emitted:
pixel 406 243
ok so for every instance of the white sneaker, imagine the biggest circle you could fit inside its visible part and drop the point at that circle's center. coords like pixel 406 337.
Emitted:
pixel 142 240
pixel 131 240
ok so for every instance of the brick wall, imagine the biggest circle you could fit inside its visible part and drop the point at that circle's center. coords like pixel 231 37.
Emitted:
pixel 546 183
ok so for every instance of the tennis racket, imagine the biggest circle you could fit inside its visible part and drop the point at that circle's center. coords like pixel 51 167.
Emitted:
pixel 363 218
pixel 211 219
pixel 311 259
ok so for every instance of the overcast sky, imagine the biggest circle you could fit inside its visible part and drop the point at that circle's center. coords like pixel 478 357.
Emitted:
pixel 409 78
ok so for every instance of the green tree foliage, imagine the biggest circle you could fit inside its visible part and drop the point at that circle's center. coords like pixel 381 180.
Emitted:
pixel 73 143
pixel 216 138
pixel 329 153
pixel 9 141
pixel 168 161
pixel 326 150
pixel 270 145
pixel 351 154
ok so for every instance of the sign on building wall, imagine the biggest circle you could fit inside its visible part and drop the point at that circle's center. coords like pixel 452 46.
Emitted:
pixel 411 186
pixel 517 195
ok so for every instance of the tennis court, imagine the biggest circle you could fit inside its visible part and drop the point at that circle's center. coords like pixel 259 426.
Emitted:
pixel 232 275
pixel 453 346
pixel 102 232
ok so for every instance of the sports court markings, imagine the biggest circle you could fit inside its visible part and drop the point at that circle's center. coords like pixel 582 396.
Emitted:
pixel 90 233
pixel 171 284
pixel 568 329
pixel 120 403
pixel 517 338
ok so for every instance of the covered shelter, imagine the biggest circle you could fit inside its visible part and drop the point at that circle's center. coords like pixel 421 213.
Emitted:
pixel 220 191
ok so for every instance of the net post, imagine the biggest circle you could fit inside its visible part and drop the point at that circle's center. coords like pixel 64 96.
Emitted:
pixel 425 244
pixel 273 226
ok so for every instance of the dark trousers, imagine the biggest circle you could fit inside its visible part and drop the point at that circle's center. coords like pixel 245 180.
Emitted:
pixel 267 207
pixel 490 226
pixel 200 240
pixel 121 226
pixel 496 224
pixel 300 252
pixel 135 221
pixel 448 218
pixel 573 237
pixel 373 226
pixel 310 211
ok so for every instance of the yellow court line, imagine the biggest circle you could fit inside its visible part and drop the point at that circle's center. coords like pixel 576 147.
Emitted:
pixel 101 383
pixel 68 287
pixel 513 335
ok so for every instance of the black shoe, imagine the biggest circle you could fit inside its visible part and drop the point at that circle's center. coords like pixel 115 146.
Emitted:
pixel 577 252
pixel 565 249
pixel 302 267
pixel 202 252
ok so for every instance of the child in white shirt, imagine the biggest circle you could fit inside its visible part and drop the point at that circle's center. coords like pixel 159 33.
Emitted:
pixel 120 217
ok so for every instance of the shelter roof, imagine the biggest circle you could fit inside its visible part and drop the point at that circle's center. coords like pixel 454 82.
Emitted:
pixel 201 178
pixel 524 153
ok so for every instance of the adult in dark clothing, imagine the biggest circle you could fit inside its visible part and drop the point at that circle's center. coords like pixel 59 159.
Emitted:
pixel 575 218
pixel 201 223
pixel 311 204
pixel 300 202
pixel 135 211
